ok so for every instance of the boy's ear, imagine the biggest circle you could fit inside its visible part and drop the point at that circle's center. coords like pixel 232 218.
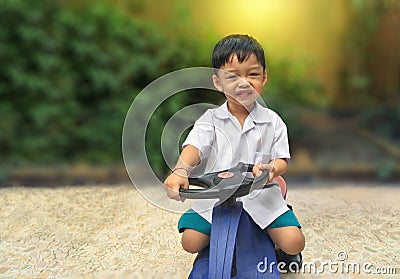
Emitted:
pixel 265 78
pixel 217 82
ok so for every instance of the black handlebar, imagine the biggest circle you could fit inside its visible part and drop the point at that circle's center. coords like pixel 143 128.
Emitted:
pixel 229 183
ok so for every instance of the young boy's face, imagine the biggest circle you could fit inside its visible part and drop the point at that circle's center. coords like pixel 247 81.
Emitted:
pixel 242 83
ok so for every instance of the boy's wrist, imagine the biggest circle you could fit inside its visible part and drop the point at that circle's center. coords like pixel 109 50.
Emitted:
pixel 181 171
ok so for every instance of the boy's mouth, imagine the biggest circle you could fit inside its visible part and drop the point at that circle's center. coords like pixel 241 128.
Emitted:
pixel 243 94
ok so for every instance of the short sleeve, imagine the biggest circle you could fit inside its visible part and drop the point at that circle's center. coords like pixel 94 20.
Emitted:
pixel 281 141
pixel 202 134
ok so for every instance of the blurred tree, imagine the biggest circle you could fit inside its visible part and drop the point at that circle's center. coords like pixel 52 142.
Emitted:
pixel 70 70
pixel 384 60
pixel 68 76
pixel 371 71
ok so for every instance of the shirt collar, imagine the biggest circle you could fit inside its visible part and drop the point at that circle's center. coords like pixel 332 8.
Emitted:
pixel 259 113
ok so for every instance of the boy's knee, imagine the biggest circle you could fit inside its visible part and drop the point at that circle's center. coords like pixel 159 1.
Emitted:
pixel 194 241
pixel 190 247
pixel 293 246
pixel 288 239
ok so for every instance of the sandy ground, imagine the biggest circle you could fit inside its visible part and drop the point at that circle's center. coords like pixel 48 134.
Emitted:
pixel 109 231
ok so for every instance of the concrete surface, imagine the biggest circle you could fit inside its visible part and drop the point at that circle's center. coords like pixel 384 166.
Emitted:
pixel 109 231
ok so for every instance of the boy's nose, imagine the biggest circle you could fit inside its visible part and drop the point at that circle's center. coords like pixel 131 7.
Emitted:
pixel 243 83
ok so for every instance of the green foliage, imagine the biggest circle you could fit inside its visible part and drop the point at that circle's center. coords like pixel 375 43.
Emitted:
pixel 290 88
pixel 290 84
pixel 383 121
pixel 363 48
pixel 386 169
pixel 70 70
pixel 68 77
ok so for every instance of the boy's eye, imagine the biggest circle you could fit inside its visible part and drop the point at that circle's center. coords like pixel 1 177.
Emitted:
pixel 254 74
pixel 231 77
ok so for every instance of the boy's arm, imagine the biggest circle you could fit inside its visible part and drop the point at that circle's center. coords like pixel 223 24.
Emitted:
pixel 189 158
pixel 277 167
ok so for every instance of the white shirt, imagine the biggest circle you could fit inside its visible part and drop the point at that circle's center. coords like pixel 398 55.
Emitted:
pixel 224 143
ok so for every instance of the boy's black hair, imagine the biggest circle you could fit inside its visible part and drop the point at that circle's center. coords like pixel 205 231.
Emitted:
pixel 241 45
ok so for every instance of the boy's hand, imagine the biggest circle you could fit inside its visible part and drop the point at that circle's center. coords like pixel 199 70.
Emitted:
pixel 189 158
pixel 259 168
pixel 175 181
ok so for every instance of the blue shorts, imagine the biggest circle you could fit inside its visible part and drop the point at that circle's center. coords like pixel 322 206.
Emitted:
pixel 192 220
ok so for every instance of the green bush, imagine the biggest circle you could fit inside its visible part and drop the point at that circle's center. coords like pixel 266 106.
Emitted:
pixel 69 73
pixel 383 120
pixel 289 90
pixel 68 77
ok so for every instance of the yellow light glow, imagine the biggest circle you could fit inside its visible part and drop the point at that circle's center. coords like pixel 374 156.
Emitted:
pixel 251 17
pixel 287 28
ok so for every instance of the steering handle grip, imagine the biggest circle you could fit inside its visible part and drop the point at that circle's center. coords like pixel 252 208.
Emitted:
pixel 235 184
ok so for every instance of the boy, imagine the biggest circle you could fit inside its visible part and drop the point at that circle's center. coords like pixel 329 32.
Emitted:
pixel 240 130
